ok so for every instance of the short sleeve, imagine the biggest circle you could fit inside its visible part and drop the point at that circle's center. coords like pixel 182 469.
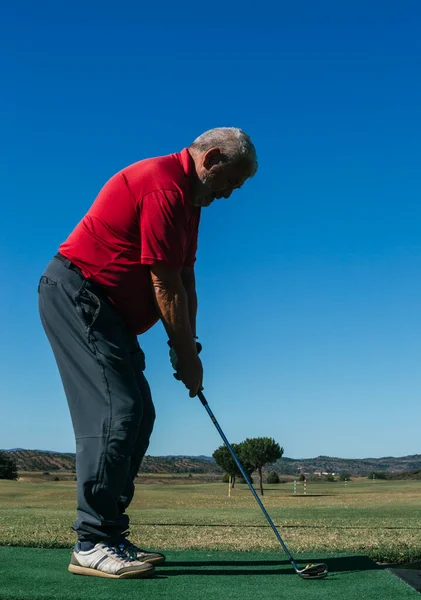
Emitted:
pixel 163 229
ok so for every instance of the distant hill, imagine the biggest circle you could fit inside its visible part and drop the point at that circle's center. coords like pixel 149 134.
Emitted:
pixel 48 460
pixel 354 466
pixel 41 460
pixel 179 464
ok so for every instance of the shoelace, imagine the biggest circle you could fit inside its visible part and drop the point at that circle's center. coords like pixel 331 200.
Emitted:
pixel 127 547
pixel 121 553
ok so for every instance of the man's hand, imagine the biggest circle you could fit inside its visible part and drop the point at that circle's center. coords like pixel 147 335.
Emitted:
pixel 190 373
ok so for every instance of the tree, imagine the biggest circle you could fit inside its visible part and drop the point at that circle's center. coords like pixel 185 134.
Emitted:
pixel 345 476
pixel 259 452
pixel 273 477
pixel 8 466
pixel 377 475
pixel 224 459
pixel 242 480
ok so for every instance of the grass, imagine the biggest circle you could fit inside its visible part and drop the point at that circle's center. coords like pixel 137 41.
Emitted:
pixel 380 520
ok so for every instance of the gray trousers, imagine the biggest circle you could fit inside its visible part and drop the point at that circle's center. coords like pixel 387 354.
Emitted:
pixel 101 367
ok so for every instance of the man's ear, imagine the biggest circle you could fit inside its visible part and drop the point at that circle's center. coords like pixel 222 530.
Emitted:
pixel 212 157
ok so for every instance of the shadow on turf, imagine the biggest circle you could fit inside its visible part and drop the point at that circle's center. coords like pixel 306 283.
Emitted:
pixel 335 565
pixel 242 526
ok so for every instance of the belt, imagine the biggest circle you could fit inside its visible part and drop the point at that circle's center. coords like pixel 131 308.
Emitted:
pixel 96 288
pixel 68 264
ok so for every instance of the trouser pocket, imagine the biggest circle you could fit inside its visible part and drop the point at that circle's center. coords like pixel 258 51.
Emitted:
pixel 88 305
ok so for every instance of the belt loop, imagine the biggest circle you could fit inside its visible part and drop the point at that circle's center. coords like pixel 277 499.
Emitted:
pixel 67 263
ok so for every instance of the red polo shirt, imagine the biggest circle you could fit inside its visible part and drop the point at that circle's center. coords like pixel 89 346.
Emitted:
pixel 142 216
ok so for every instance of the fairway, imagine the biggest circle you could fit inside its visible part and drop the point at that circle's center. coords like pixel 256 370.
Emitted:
pixel 380 520
pixel 205 575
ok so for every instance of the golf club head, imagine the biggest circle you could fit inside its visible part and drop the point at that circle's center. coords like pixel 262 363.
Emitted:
pixel 311 571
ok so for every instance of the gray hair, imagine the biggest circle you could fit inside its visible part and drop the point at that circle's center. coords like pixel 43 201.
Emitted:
pixel 235 145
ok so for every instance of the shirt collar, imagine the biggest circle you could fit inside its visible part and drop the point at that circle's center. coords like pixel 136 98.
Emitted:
pixel 187 163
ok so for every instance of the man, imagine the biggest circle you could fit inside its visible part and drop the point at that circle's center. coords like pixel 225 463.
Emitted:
pixel 127 264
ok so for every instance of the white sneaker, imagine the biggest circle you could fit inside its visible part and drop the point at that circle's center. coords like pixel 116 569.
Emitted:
pixel 105 560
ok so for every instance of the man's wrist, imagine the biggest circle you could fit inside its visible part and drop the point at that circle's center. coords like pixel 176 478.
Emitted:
pixel 183 346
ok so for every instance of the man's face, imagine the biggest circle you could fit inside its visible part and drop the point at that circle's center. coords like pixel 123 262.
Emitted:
pixel 216 179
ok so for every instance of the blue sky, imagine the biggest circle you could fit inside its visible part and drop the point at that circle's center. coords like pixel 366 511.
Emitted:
pixel 308 278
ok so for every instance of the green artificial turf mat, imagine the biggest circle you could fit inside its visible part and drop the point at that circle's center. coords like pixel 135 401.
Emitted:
pixel 39 574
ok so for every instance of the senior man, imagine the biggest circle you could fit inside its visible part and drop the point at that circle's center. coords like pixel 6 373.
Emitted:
pixel 127 264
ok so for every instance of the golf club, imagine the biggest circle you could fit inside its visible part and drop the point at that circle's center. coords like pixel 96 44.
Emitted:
pixel 318 571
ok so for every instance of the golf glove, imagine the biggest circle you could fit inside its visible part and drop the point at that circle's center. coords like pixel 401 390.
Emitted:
pixel 173 355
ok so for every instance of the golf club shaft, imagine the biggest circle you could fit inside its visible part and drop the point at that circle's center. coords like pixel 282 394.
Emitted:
pixel 246 477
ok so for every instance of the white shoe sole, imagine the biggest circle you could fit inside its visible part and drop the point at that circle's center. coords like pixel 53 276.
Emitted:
pixel 96 573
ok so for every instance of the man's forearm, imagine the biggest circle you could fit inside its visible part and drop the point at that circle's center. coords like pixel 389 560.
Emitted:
pixel 190 287
pixel 173 305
